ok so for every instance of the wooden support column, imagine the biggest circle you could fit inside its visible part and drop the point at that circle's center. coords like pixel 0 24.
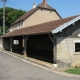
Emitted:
pixel 11 43
pixel 25 46
pixel 3 43
pixel 51 38
pixel 54 51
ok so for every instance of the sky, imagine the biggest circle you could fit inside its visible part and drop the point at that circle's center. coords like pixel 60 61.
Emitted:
pixel 65 8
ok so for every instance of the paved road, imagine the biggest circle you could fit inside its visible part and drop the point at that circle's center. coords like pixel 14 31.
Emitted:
pixel 12 68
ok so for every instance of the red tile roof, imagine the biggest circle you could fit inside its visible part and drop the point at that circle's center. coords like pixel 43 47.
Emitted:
pixel 40 29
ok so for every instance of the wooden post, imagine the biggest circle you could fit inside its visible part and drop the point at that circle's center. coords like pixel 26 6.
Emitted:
pixel 54 49
pixel 25 46
pixel 11 43
pixel 3 43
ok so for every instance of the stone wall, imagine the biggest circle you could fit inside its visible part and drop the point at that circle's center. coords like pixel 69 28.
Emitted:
pixel 66 55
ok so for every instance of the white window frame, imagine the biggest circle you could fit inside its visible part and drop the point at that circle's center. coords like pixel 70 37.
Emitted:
pixel 16 42
pixel 76 41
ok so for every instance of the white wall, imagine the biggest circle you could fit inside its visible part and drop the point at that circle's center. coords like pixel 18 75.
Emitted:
pixel 16 26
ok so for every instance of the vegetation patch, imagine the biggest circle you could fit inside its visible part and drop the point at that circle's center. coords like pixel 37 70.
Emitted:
pixel 11 15
pixel 73 71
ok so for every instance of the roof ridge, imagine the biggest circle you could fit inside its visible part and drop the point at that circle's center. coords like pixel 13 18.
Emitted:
pixel 45 6
pixel 71 16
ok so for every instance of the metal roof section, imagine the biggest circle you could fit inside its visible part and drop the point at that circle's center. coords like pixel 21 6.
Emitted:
pixel 65 25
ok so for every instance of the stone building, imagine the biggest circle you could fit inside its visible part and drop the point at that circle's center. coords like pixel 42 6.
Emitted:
pixel 42 34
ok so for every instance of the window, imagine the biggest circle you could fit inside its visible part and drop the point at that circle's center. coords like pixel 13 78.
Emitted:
pixel 19 26
pixel 16 42
pixel 77 47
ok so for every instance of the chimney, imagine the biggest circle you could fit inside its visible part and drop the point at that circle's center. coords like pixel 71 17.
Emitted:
pixel 44 1
pixel 34 5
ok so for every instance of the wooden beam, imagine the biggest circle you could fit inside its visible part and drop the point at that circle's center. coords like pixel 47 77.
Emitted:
pixel 11 44
pixel 54 49
pixel 25 39
pixel 51 38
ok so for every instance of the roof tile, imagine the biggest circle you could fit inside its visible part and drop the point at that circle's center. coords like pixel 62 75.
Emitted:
pixel 40 28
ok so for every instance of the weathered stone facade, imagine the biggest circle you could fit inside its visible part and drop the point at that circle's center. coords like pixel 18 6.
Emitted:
pixel 66 55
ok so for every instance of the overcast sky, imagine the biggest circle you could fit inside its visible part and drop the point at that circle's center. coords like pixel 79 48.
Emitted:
pixel 65 8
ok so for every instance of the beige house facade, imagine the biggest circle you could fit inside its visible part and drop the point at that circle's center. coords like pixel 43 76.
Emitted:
pixel 39 14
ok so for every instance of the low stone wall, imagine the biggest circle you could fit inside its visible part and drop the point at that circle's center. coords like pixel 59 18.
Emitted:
pixel 66 55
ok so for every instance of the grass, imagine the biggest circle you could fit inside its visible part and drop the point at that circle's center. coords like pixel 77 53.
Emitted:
pixel 74 71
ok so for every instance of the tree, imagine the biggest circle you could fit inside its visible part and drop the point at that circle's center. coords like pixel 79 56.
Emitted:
pixel 11 16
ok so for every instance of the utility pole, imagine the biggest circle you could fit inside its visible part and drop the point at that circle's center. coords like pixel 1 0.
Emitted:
pixel 4 1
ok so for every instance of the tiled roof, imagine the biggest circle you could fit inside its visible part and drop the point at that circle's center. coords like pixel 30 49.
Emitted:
pixel 26 15
pixel 45 6
pixel 40 29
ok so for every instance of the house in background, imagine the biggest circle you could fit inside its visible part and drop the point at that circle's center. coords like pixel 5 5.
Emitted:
pixel 42 34
pixel 39 14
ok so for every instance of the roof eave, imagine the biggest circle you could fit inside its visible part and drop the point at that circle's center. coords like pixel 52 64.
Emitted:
pixel 52 10
pixel 41 33
pixel 15 23
pixel 46 8
pixel 65 25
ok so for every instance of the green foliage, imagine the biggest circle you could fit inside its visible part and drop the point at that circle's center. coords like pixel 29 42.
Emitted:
pixel 10 16
pixel 73 71
pixel 1 29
